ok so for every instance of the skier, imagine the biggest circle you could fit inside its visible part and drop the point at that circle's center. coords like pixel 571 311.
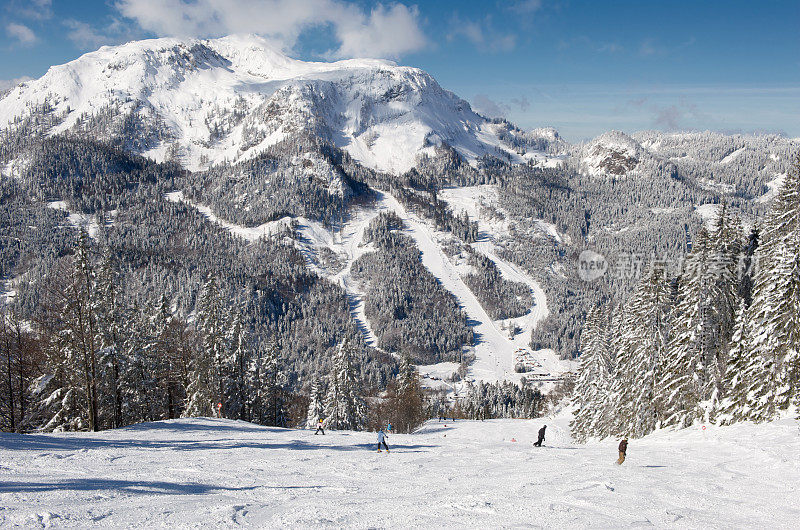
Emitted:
pixel 388 427
pixel 541 437
pixel 382 440
pixel 319 428
pixel 623 449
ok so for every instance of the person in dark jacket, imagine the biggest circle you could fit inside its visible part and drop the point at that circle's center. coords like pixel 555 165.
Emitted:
pixel 623 449
pixel 541 437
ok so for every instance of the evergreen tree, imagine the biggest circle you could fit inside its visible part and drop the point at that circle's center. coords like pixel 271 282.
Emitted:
pixel 273 382
pixel 344 407
pixel 643 341
pixel 205 390
pixel 235 369
pixel 316 404
pixel 408 402
pixel 137 380
pixel 266 386
pixel 66 397
pixel 724 257
pixel 110 338
pixel 164 360
pixel 685 377
pixel 741 372
pixel 592 387
pixel 775 309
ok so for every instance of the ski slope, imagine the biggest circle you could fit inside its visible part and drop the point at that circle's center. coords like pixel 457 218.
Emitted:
pixel 476 201
pixel 347 243
pixel 249 234
pixel 209 473
pixel 494 350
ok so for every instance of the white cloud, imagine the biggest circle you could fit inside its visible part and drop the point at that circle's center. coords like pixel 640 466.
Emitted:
pixel 383 32
pixel 5 84
pixel 31 9
pixel 482 35
pixel 23 34
pixel 526 6
pixel 487 106
pixel 88 37
pixel 496 108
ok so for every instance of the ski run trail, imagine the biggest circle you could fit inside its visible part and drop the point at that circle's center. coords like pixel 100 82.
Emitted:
pixel 494 350
pixel 212 473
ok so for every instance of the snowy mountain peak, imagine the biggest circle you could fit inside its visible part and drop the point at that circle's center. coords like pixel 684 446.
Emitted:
pixel 208 101
pixel 613 153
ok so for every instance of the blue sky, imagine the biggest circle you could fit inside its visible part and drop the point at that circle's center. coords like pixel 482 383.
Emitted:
pixel 583 67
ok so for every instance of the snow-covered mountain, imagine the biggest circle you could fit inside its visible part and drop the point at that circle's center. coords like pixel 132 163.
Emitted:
pixel 227 99
pixel 611 154
pixel 236 99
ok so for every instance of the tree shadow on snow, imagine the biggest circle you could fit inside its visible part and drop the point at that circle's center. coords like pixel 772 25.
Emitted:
pixel 43 442
pixel 128 486
pixel 435 428
pixel 204 424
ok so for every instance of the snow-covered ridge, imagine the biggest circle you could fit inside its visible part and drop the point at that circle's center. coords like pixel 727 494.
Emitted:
pixel 207 101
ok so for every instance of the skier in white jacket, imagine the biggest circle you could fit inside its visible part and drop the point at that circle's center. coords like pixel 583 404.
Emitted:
pixel 382 440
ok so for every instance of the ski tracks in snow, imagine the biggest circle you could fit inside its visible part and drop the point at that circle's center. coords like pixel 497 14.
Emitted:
pixel 204 472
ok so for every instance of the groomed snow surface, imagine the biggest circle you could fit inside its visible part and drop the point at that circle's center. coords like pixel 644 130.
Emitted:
pixel 207 473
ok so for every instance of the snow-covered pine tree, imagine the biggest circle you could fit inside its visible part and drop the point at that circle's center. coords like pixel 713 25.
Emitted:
pixel 205 391
pixel 684 376
pixel 585 378
pixel 163 360
pixel 110 339
pixel 344 406
pixel 253 388
pixel 724 256
pixel 408 403
pixel 84 329
pixel 746 265
pixel 316 404
pixel 604 419
pixel 65 398
pixel 266 382
pixel 273 383
pixel 235 369
pixel 740 371
pixel 58 402
pixel 592 387
pixel 643 340
pixel 775 310
pixel 137 380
